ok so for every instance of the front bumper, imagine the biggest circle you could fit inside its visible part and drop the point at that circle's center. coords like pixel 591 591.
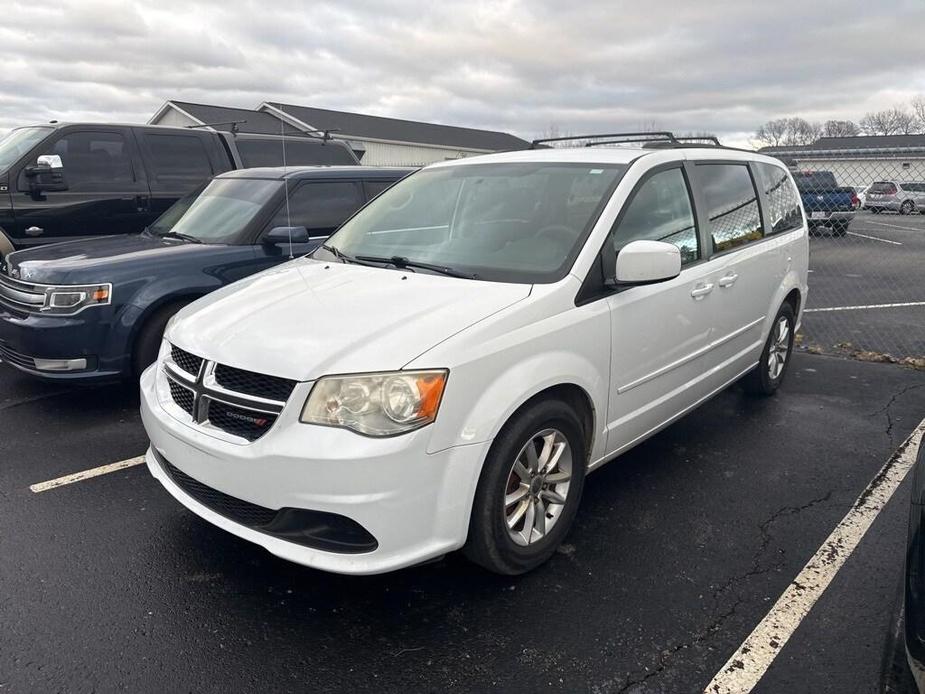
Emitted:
pixel 416 505
pixel 27 340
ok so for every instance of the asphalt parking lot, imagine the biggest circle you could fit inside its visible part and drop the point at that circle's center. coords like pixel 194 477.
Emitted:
pixel 680 549
pixel 878 265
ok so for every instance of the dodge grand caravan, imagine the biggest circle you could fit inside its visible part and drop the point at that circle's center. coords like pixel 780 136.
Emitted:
pixel 443 372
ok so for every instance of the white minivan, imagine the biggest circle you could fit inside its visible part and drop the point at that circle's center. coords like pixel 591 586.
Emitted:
pixel 444 372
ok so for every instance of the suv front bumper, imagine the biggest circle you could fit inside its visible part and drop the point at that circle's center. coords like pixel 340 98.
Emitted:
pixel 416 505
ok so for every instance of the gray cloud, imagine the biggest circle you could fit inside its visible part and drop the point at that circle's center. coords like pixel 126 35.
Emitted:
pixel 723 66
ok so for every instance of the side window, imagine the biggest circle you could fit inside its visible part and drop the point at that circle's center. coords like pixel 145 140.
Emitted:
pixel 661 210
pixel 178 158
pixel 299 152
pixel 319 207
pixel 783 203
pixel 95 160
pixel 373 188
pixel 732 205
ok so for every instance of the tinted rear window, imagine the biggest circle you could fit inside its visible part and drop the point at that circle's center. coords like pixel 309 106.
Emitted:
pixel 882 189
pixel 178 158
pixel 269 152
pixel 816 180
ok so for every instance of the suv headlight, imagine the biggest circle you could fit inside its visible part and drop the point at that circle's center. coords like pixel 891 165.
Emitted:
pixel 66 300
pixel 376 404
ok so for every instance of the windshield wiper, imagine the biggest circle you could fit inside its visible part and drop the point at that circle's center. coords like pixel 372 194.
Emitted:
pixel 402 262
pixel 338 253
pixel 181 235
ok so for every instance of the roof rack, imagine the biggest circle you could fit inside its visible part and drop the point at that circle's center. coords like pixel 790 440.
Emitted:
pixel 659 138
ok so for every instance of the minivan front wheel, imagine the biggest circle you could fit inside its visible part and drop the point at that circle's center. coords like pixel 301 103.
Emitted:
pixel 529 489
pixel 766 378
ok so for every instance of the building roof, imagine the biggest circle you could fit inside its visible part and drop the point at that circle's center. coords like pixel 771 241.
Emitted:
pixel 259 122
pixel 359 125
pixel 869 145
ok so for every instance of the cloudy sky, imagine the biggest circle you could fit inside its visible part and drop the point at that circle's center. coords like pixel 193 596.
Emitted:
pixel 521 66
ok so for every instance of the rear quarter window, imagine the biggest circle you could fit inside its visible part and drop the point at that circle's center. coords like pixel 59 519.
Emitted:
pixel 783 200
pixel 291 152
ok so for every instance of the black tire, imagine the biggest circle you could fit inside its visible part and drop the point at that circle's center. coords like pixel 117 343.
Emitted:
pixel 908 207
pixel 875 210
pixel 839 229
pixel 489 543
pixel 759 380
pixel 148 342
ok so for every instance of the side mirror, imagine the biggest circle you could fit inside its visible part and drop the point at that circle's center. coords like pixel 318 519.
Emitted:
pixel 281 236
pixel 47 174
pixel 646 262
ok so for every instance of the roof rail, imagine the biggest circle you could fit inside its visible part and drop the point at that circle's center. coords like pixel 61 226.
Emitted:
pixel 659 138
pixel 642 137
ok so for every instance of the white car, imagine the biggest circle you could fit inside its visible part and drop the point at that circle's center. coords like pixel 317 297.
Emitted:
pixel 446 369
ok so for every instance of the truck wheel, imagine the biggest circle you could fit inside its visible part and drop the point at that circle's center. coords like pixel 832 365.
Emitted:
pixel 840 230
pixel 529 489
pixel 148 343
pixel 908 207
pixel 6 246
pixel 766 378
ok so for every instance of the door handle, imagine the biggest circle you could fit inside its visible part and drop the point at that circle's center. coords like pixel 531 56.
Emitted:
pixel 702 290
pixel 34 231
pixel 728 280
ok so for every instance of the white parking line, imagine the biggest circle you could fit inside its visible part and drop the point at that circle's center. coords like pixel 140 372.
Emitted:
pixel 86 474
pixel 863 306
pixel 748 664
pixel 893 226
pixel 874 238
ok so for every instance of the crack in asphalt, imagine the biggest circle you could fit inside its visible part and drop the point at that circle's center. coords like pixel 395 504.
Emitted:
pixel 719 619
pixel 892 401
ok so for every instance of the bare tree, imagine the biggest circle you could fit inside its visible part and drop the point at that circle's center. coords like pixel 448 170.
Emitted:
pixel 918 110
pixel 840 128
pixel 891 121
pixel 772 133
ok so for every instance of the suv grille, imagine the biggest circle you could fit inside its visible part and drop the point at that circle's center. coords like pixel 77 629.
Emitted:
pixel 24 296
pixel 260 385
pixel 240 403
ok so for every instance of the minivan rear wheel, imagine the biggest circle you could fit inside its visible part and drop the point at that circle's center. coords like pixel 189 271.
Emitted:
pixel 766 378
pixel 529 489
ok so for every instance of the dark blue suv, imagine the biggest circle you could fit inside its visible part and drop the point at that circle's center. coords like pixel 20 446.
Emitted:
pixel 96 309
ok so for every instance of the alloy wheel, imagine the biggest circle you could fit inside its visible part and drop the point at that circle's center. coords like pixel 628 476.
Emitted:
pixel 537 486
pixel 780 348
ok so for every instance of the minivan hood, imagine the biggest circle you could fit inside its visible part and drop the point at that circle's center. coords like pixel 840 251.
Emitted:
pixel 91 261
pixel 310 318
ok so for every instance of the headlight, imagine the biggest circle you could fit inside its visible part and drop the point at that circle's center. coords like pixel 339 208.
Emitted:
pixel 70 300
pixel 378 404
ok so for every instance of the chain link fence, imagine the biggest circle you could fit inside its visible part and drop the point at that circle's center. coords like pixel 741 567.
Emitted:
pixel 866 210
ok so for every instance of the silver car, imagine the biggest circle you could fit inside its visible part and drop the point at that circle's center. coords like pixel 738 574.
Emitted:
pixel 896 196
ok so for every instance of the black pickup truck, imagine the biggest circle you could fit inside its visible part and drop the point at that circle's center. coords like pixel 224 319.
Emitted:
pixel 68 181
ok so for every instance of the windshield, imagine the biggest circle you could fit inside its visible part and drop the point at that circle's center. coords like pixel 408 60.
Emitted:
pixel 518 222
pixel 18 142
pixel 221 212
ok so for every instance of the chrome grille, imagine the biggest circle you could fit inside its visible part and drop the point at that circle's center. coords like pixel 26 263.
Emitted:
pixel 22 295
pixel 242 404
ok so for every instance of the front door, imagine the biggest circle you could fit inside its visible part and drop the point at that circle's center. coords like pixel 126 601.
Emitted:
pixel 659 331
pixel 107 194
pixel 320 207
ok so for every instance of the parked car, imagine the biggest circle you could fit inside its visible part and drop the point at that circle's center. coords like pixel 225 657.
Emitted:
pixel 827 204
pixel 96 309
pixel 895 196
pixel 445 369
pixel 65 181
pixel 860 192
